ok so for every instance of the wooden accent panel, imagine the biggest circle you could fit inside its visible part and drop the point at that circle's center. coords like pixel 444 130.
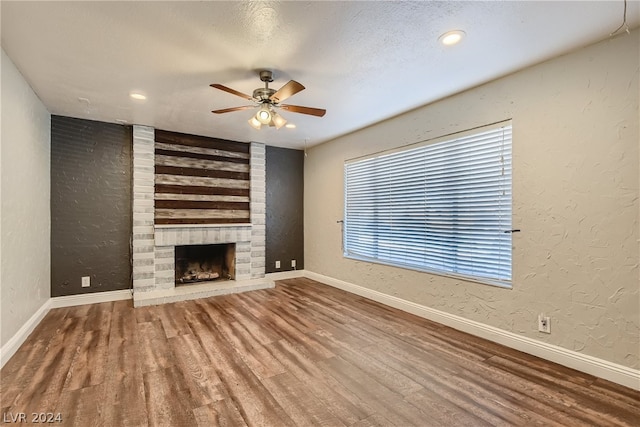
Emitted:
pixel 200 180
pixel 185 189
pixel 168 221
pixel 172 170
pixel 196 197
pixel 302 354
pixel 194 155
pixel 202 164
pixel 201 141
pixel 201 213
pixel 200 204
pixel 208 151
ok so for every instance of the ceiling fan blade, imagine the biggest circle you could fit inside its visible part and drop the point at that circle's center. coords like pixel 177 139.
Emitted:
pixel 290 89
pixel 319 112
pixel 228 110
pixel 231 91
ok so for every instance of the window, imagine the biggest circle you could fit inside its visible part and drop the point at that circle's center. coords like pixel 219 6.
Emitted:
pixel 440 206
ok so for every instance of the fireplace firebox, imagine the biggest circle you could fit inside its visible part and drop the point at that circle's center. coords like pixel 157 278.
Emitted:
pixel 204 263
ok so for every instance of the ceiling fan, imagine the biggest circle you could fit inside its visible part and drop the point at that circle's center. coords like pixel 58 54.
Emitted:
pixel 267 100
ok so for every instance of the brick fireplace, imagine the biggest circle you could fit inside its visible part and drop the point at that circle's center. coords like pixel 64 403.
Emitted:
pixel 154 244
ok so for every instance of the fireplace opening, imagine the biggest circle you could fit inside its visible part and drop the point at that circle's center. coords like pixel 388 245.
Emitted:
pixel 205 263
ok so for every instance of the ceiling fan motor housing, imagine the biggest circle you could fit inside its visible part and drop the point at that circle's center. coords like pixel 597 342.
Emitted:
pixel 263 93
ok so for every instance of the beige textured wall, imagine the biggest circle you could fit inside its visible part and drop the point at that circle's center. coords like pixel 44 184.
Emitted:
pixel 25 279
pixel 575 182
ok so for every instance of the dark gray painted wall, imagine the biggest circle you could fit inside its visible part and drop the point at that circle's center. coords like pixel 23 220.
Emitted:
pixel 284 207
pixel 90 205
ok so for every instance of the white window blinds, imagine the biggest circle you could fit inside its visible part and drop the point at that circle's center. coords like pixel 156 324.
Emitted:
pixel 443 207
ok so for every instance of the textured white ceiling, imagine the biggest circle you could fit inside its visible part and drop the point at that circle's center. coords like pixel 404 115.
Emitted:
pixel 361 61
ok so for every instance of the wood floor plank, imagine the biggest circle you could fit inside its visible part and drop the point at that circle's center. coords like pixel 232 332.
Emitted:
pixel 82 407
pixel 384 374
pixel 442 412
pixel 44 388
pixel 388 403
pixel 294 335
pixel 153 348
pixel 246 303
pixel 243 387
pixel 79 311
pixel 253 327
pixel 300 354
pixel 123 401
pixel 24 364
pixel 297 401
pixel 375 420
pixel 200 378
pixel 257 358
pixel 98 316
pixel 167 399
pixel 172 318
pixel 87 367
pixel 615 393
pixel 146 314
pixel 591 402
pixel 443 377
pixel 253 353
pixel 222 413
pixel 340 401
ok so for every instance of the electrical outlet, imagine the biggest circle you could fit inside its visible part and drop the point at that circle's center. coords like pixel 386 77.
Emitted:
pixel 544 324
pixel 277 264
pixel 293 263
pixel 86 281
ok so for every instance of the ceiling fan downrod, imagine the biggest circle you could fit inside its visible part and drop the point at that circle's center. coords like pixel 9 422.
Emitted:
pixel 263 94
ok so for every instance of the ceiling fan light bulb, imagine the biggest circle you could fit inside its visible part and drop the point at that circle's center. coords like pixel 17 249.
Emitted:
pixel 264 115
pixel 254 123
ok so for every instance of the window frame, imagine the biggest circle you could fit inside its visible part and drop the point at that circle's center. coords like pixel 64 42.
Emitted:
pixel 500 282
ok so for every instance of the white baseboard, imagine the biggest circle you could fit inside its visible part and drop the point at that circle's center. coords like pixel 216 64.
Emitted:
pixel 591 365
pixel 10 348
pixel 91 298
pixel 283 275
pixel 14 343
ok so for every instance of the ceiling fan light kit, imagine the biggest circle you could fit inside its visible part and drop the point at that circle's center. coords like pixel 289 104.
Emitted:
pixel 268 100
pixel 264 115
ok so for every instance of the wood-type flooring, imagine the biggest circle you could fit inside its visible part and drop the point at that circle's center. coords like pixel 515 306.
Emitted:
pixel 302 354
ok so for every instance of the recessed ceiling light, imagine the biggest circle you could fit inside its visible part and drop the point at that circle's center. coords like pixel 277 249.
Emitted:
pixel 137 95
pixel 451 37
pixel 290 126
